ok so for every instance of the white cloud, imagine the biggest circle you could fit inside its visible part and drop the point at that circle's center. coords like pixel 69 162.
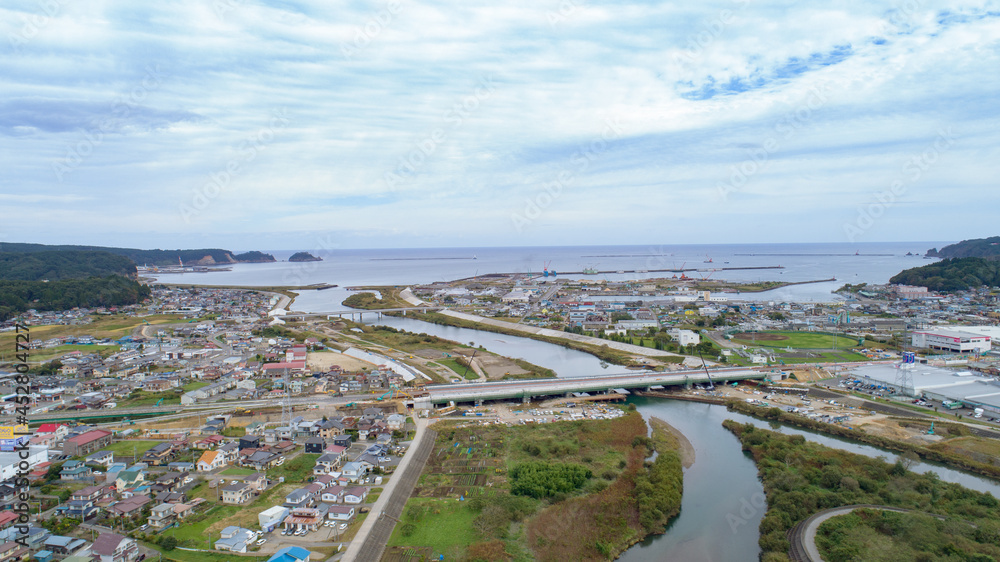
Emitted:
pixel 696 91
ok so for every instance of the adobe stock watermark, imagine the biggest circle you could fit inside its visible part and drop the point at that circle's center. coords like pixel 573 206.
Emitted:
pixel 552 190
pixel 223 7
pixel 914 168
pixel 409 165
pixel 748 509
pixel 759 159
pixel 563 11
pixel 121 108
pixel 32 25
pixel 709 30
pixel 221 179
pixel 376 24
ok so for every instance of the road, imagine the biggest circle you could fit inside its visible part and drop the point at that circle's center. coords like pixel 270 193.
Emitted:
pixel 803 536
pixel 371 539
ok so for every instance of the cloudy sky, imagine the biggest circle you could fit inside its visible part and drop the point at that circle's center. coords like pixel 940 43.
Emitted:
pixel 252 124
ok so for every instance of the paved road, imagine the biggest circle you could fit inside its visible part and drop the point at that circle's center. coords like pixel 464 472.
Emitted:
pixel 374 533
pixel 803 536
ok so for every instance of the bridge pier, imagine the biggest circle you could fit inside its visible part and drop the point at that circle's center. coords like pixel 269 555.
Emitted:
pixel 525 399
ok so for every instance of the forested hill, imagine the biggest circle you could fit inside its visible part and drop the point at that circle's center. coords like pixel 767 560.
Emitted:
pixel 65 279
pixel 304 256
pixel 114 290
pixel 64 264
pixel 952 275
pixel 207 256
pixel 988 248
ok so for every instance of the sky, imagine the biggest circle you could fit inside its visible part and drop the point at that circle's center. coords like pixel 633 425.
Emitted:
pixel 318 125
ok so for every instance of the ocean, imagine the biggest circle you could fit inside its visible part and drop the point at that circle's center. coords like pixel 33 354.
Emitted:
pixel 847 263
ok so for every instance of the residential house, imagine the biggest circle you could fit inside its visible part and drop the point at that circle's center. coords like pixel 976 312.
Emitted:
pixel 261 460
pixel 315 445
pixel 129 507
pixel 355 495
pixel 63 546
pixel 238 493
pixel 11 550
pixel 395 422
pixel 344 513
pixel 162 516
pixel 333 494
pixel 250 442
pixel 59 430
pixel 128 479
pixel 112 547
pixel 209 461
pixel 300 498
pixel 100 458
pixel 354 471
pixel 235 539
pixel 74 471
pixel 258 482
pixel 159 454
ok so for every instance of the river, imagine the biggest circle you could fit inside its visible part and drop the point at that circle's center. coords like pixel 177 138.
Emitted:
pixel 723 500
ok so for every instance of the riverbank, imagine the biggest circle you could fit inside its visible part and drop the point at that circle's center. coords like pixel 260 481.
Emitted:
pixel 802 478
pixel 684 447
pixel 946 458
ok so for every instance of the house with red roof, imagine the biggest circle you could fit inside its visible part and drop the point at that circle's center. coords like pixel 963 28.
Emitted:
pixel 59 430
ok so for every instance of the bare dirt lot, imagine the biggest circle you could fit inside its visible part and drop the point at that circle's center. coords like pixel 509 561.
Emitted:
pixel 326 359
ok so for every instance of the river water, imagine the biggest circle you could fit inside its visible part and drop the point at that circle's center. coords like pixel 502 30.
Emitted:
pixel 723 500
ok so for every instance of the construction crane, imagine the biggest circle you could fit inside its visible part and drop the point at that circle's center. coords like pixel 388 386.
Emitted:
pixel 711 385
pixel 469 364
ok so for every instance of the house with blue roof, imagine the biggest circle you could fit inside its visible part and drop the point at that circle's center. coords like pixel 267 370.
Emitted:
pixel 290 554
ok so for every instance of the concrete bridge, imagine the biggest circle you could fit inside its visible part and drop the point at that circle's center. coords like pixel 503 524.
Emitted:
pixel 359 312
pixel 528 389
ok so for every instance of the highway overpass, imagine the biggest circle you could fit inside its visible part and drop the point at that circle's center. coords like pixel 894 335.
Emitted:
pixel 528 389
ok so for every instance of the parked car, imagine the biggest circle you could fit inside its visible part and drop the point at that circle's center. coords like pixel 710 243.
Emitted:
pixel 343 527
pixel 261 541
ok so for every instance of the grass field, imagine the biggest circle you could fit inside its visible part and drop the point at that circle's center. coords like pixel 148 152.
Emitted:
pixel 194 385
pixel 795 340
pixel 458 368
pixel 474 462
pixel 126 448
pixel 115 326
pixel 444 525
pixel 296 469
pixel 187 556
pixel 237 472
pixel 976 448
pixel 48 354
pixel 150 399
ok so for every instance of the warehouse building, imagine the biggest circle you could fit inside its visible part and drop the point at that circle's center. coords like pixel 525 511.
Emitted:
pixel 954 341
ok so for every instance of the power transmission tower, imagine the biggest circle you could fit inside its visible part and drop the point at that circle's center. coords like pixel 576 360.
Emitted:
pixel 286 404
